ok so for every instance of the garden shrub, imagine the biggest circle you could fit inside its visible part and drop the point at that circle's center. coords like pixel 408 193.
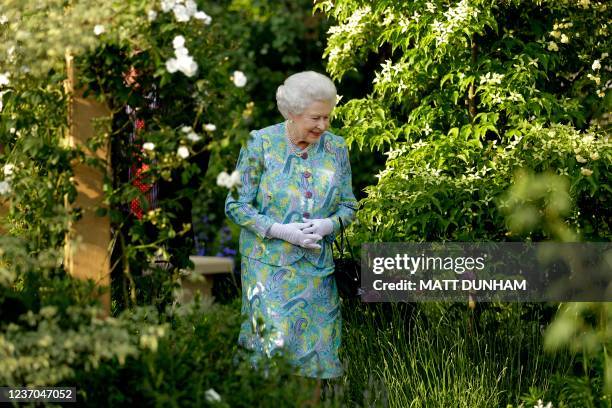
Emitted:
pixel 470 100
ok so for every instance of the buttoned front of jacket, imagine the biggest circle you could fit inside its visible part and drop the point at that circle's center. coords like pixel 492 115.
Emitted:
pixel 279 186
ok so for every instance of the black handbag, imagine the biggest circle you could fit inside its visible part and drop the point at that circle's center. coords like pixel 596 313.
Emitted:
pixel 347 269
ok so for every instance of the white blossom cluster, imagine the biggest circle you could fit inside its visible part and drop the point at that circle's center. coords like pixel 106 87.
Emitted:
pixel 456 18
pixel 183 61
pixel 392 75
pixel 150 339
pixel 8 171
pixel 559 35
pixel 4 81
pixel 401 21
pixel 228 181
pixel 190 134
pixel 596 67
pixel 346 33
pixel 491 79
pixel 183 11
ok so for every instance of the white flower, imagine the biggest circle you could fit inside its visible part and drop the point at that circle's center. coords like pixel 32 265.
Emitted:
pixel 149 146
pixel 187 65
pixel 191 7
pixel 172 65
pixel 541 405
pixel 230 181
pixel 595 78
pixel 212 396
pixel 580 159
pixel 594 156
pixel 234 178
pixel 564 39
pixel 12 130
pixel 596 65
pixel 4 79
pixel 3 19
pixel 193 136
pixel 5 187
pixel 178 42
pixel 200 15
pixel 98 29
pixel 586 172
pixel 152 15
pixel 183 152
pixel 8 170
pixel 181 52
pixel 427 129
pixel 209 127
pixel 552 46
pixel 181 13
pixel 148 341
pixel 183 61
pixel 223 179
pixel 166 5
pixel 239 79
pixel 186 129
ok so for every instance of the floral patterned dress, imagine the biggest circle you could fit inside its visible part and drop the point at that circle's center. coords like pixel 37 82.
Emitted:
pixel 290 300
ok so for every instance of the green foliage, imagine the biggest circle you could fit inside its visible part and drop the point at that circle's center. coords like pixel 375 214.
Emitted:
pixel 109 42
pixel 467 93
pixel 453 190
pixel 471 98
pixel 441 355
pixel 197 353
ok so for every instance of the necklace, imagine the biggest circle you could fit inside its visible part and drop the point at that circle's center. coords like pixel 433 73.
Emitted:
pixel 303 153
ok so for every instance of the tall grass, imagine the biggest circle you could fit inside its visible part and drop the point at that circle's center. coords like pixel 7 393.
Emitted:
pixel 445 355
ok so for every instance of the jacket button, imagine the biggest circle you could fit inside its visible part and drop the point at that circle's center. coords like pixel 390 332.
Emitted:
pixel 308 194
pixel 304 156
pixel 306 215
pixel 307 174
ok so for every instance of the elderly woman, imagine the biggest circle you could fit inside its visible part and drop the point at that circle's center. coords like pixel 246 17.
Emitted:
pixel 295 188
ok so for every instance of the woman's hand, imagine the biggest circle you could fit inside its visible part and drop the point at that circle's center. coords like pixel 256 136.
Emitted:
pixel 294 234
pixel 319 226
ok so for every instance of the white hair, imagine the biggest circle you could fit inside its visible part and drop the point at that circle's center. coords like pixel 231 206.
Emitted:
pixel 302 89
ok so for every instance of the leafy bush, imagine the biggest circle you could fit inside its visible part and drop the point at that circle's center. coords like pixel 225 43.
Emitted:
pixel 197 353
pixel 466 94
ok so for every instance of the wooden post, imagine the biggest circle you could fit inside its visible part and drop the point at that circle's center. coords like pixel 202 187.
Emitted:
pixel 87 248
pixel 4 210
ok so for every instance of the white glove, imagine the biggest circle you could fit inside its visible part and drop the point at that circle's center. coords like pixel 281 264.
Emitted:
pixel 319 226
pixel 293 234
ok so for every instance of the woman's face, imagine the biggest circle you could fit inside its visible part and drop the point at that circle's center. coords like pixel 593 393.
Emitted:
pixel 310 124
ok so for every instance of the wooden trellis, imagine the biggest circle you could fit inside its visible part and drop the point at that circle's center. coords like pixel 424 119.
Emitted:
pixel 87 252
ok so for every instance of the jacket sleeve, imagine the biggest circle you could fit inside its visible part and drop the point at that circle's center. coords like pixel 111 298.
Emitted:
pixel 348 204
pixel 239 205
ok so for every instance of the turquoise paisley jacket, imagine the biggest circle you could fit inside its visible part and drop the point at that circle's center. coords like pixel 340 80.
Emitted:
pixel 278 186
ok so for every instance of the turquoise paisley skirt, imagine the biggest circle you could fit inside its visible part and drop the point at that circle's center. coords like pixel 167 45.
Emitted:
pixel 293 309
